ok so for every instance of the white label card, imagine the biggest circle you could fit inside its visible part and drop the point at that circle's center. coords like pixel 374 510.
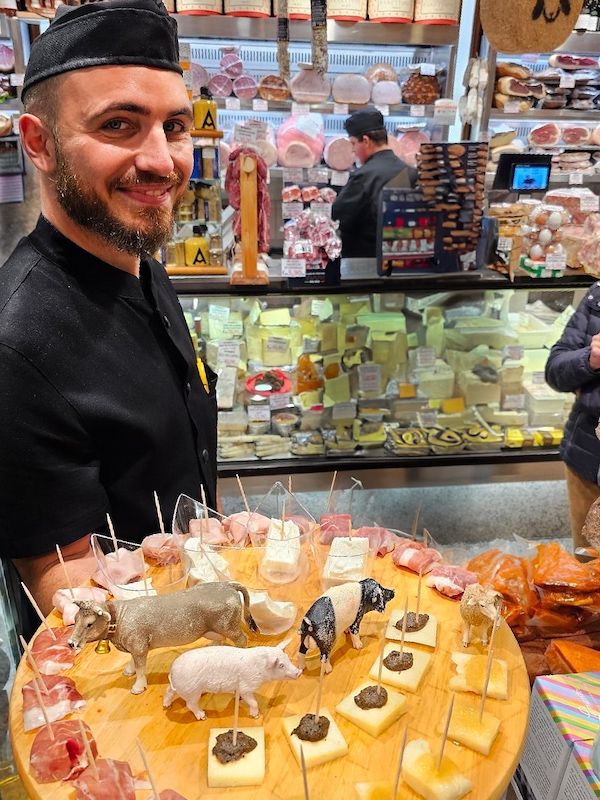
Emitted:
pixel 339 178
pixel 303 247
pixel 259 413
pixel 340 108
pixel 318 175
pixel 538 378
pixel 589 203
pixel 385 110
pixel 291 210
pixel 513 402
pixel 428 69
pixel 369 378
pixel 514 352
pixel 245 134
pixel 278 401
pixel 417 111
pixel 428 419
pixel 321 208
pixel 228 354
pixel 300 108
pixel 235 328
pixel 567 81
pixel 512 107
pixel 343 411
pixel 219 312
pixel 505 243
pixel 232 103
pixel 17 78
pixel 556 261
pixel 293 267
pixel 444 112
pixel 425 356
pixel 258 104
pixel 293 175
pixel 277 344
pixel 576 178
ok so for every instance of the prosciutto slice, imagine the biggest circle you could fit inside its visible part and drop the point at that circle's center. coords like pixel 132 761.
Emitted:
pixel 65 757
pixel 53 656
pixel 125 568
pixel 239 526
pixel 61 699
pixel 211 531
pixel 61 600
pixel 450 581
pixel 333 525
pixel 114 781
pixel 416 557
pixel 380 539
pixel 161 548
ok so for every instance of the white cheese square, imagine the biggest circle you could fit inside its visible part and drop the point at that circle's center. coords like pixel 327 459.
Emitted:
pixel 315 753
pixel 282 552
pixel 420 772
pixel 347 559
pixel 408 679
pixel 427 636
pixel 248 771
pixel 373 720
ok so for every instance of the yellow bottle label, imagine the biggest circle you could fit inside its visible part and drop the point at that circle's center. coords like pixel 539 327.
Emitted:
pixel 205 115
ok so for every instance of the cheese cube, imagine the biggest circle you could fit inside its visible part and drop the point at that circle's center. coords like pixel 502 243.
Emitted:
pixel 466 728
pixel 347 559
pixel 470 675
pixel 373 720
pixel 420 772
pixel 207 563
pixel 271 616
pixel 331 747
pixel 248 771
pixel 427 636
pixel 282 552
pixel 379 790
pixel 409 679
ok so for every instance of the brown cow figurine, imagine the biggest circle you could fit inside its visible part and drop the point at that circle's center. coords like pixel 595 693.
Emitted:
pixel 214 610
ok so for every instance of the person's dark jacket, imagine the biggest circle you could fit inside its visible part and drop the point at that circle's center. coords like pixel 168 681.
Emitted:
pixel 568 370
pixel 357 204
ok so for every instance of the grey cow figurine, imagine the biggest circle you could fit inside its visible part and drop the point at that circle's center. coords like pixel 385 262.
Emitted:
pixel 136 626
pixel 340 609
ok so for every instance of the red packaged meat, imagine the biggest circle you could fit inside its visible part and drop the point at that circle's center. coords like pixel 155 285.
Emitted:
pixel 333 525
pixel 327 194
pixel 64 757
pixel 220 85
pixel 60 698
pixel 300 141
pixel 245 87
pixel 53 655
pixel 545 135
pixel 114 781
pixel 231 63
pixel 310 193
pixel 572 62
pixel 291 194
pixel 576 134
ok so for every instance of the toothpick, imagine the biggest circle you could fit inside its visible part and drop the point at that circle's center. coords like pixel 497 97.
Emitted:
pixel 203 493
pixel 112 535
pixel 320 691
pixel 400 760
pixel 381 647
pixel 415 524
pixel 425 535
pixel 290 484
pixel 331 490
pixel 88 751
pixel 147 768
pixel 419 595
pixel 488 668
pixel 304 775
pixel 68 580
pixel 34 666
pixel 243 493
pixel 38 611
pixel 404 622
pixel 445 736
pixel 236 713
pixel 161 524
pixel 38 694
pixel 145 579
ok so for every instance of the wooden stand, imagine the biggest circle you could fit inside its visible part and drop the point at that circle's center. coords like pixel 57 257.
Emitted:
pixel 250 271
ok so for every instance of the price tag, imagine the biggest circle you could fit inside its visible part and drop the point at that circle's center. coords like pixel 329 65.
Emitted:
pixel 17 78
pixel 417 111
pixel 538 378
pixel 303 247
pixel 321 208
pixel 244 134
pixel 185 51
pixel 277 344
pixel 505 243
pixel 425 356
pixel 428 69
pixel 514 352
pixel 258 126
pixel 530 58
pixel 300 108
pixel 444 111
pixel 343 411
pixel 315 307
pixel 589 203
pixel 513 402
pixel 385 110
pixel 318 175
pixel 291 210
pixel 232 103
pixel 228 354
pixel 311 344
pixel 576 178
pixel 567 81
pixel 512 107
pixel 258 104
pixel 259 413
pixel 233 328
pixel 293 267
pixel 428 419
pixel 339 178
pixel 219 312
pixel 340 108
pixel 556 261
pixel 293 175
pixel 279 401
pixel 369 378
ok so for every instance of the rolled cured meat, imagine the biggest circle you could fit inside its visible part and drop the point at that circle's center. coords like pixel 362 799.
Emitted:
pixel 386 93
pixel 231 63
pixel 300 141
pixel 220 85
pixel 273 87
pixel 339 153
pixel 200 78
pixel 350 88
pixel 406 146
pixel 307 86
pixel 60 699
pixel 381 72
pixel 63 757
pixel 245 87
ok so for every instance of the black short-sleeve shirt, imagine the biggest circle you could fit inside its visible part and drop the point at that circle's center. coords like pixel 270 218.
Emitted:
pixel 101 402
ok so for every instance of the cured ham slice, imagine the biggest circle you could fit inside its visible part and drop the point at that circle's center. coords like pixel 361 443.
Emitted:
pixel 61 699
pixel 416 557
pixel 125 567
pixel 53 656
pixel 212 530
pixel 300 141
pixel 333 525
pixel 62 601
pixel 64 757
pixel 545 135
pixel 380 539
pixel 114 781
pixel 304 524
pixel 161 549
pixel 450 581
pixel 239 526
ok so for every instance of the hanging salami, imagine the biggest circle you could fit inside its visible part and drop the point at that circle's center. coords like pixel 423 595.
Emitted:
pixel 283 39
pixel 318 22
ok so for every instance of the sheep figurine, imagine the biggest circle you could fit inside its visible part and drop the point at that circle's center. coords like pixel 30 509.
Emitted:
pixel 478 609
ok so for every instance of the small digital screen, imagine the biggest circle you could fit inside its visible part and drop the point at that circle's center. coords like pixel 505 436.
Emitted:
pixel 530 177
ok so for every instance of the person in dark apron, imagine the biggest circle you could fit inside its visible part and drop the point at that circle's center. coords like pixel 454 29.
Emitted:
pixel 102 399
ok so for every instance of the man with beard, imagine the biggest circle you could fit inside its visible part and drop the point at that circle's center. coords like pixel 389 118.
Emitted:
pixel 101 399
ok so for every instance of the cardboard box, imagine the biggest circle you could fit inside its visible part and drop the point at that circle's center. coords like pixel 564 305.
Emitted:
pixel 563 723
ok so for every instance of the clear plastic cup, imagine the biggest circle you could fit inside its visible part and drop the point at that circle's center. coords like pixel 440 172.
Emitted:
pixel 347 558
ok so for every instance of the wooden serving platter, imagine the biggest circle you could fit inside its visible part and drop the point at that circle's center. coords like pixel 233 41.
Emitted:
pixel 176 743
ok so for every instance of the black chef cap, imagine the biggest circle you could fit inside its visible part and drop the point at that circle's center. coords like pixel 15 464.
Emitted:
pixel 138 32
pixel 363 122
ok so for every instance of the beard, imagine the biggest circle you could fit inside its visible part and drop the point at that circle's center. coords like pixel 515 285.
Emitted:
pixel 90 211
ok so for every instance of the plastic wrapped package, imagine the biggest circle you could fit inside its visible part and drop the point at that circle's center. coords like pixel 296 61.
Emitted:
pixel 542 233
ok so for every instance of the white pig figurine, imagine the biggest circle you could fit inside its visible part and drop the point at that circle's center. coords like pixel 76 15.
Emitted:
pixel 225 669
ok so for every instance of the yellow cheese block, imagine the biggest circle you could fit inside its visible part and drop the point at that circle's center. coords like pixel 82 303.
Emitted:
pixel 248 771
pixel 465 727
pixel 408 679
pixel 331 747
pixel 427 636
pixel 470 675
pixel 379 790
pixel 455 405
pixel 420 772
pixel 372 720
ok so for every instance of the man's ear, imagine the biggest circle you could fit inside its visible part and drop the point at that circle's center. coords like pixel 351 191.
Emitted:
pixel 38 143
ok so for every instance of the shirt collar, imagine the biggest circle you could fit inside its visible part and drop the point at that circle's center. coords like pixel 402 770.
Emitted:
pixel 84 266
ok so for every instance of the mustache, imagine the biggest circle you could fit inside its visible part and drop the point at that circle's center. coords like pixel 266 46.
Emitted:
pixel 146 179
